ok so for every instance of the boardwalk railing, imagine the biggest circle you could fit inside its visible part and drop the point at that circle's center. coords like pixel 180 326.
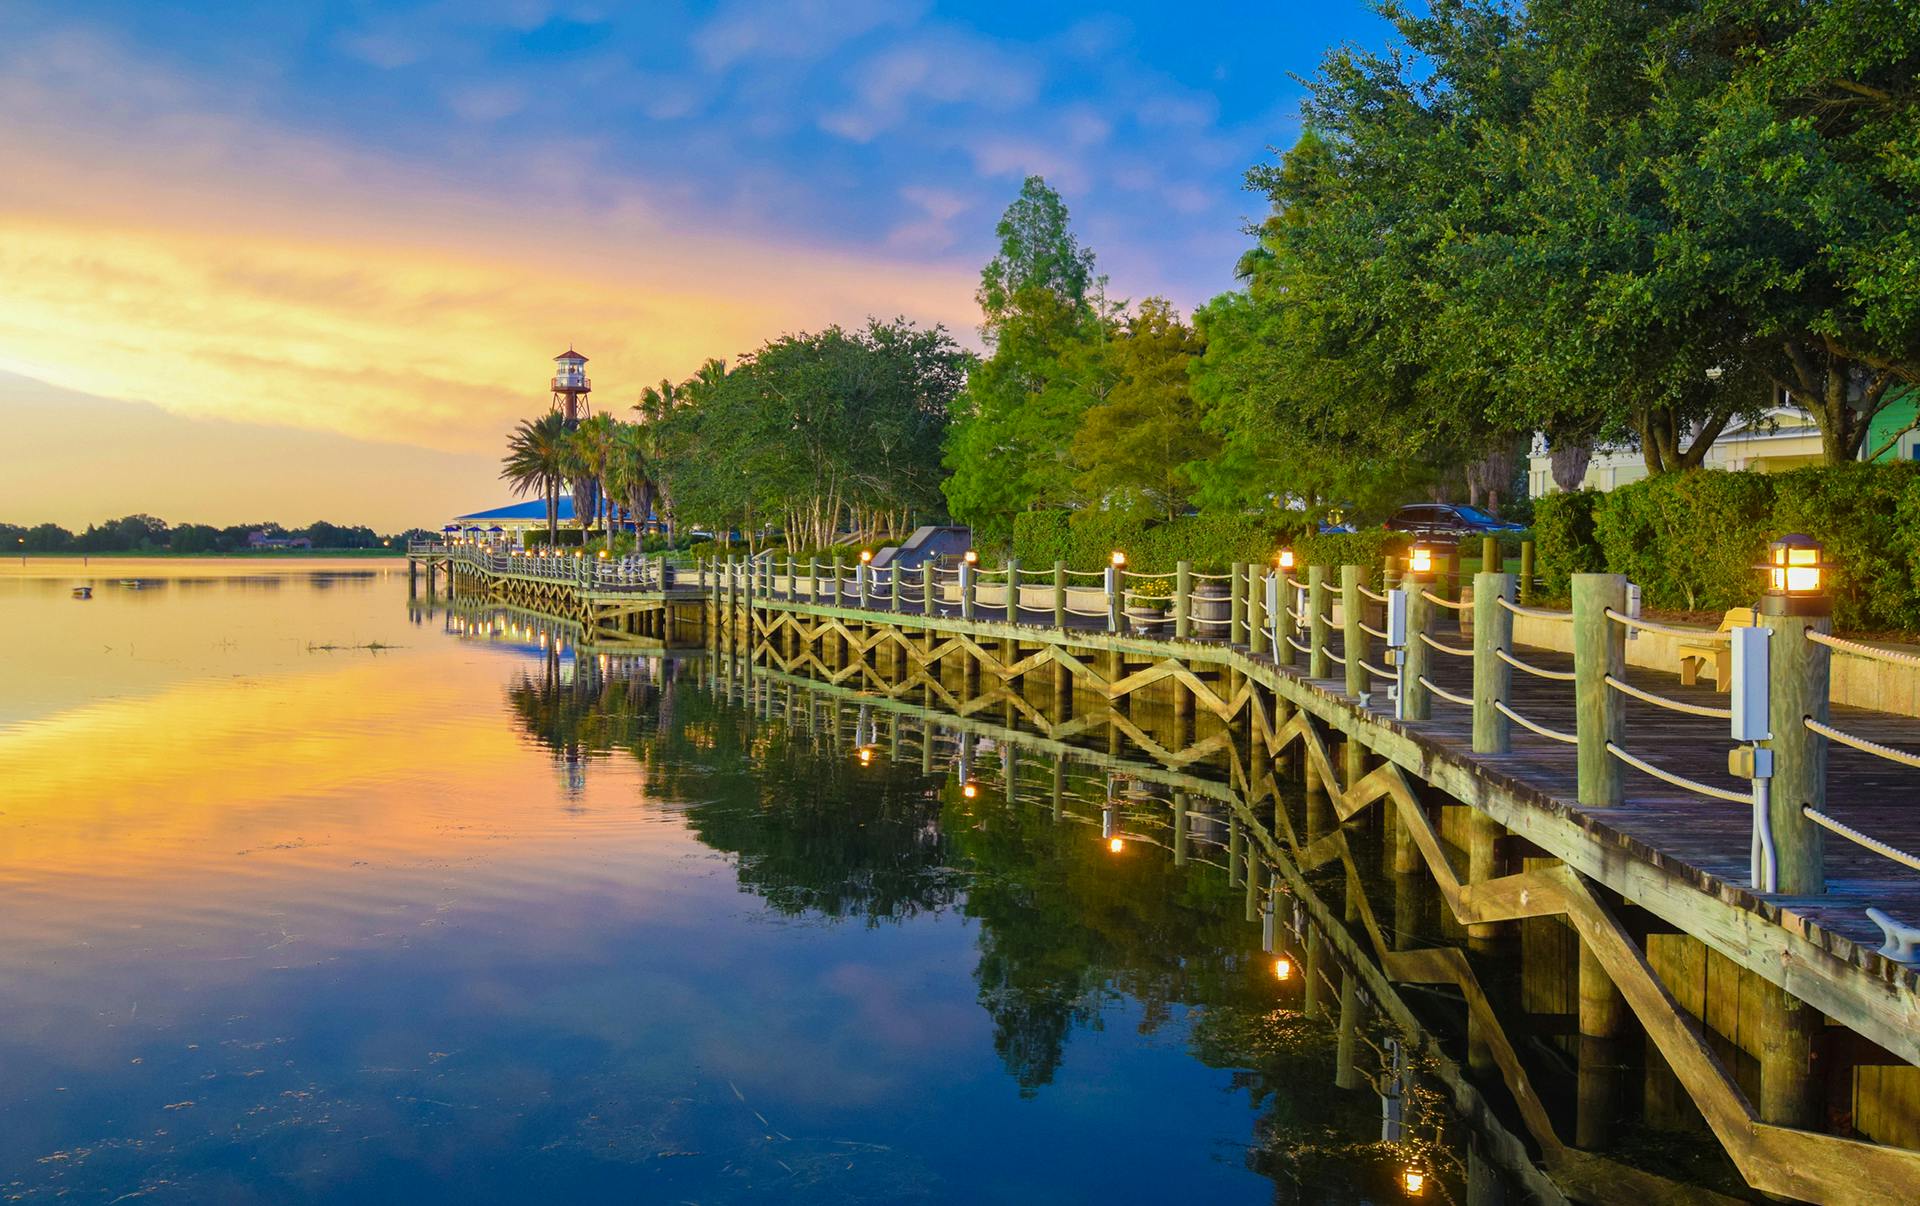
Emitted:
pixel 1419 645
pixel 634 573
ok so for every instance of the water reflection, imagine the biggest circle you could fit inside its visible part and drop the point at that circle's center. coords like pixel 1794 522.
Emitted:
pixel 1090 885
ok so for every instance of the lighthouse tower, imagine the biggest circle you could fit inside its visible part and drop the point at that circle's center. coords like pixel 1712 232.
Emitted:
pixel 570 385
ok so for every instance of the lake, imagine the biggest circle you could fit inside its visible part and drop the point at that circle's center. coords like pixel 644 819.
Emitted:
pixel 316 895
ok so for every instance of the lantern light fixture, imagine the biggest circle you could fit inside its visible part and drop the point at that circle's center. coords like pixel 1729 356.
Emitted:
pixel 1119 559
pixel 1796 568
pixel 1420 560
pixel 1414 1180
pixel 1116 845
pixel 866 555
pixel 1285 559
pixel 1283 968
pixel 972 558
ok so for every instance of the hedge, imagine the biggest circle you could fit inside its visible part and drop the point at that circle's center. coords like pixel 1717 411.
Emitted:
pixel 1691 540
pixel 1086 539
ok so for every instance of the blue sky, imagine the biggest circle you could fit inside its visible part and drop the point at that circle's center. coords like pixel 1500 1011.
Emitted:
pixel 311 191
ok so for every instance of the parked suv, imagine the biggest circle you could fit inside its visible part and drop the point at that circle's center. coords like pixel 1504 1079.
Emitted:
pixel 1448 521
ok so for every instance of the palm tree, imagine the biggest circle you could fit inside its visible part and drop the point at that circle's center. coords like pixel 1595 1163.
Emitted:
pixel 591 450
pixel 630 478
pixel 536 460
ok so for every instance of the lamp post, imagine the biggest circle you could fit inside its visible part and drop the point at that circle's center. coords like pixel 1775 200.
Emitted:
pixel 1796 603
pixel 1115 564
pixel 967 564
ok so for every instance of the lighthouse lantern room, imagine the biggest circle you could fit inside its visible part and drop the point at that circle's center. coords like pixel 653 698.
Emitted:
pixel 570 385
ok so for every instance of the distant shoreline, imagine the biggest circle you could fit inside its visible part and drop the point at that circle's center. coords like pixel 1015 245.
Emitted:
pixel 233 555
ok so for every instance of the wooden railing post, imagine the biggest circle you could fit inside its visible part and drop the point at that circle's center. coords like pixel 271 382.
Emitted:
pixel 1416 702
pixel 1116 594
pixel 1183 600
pixel 1319 665
pixel 967 590
pixel 893 584
pixel 1059 594
pixel 1492 677
pixel 1490 560
pixel 1798 681
pixel 1256 610
pixel 836 577
pixel 1237 603
pixel 813 579
pixel 1351 634
pixel 1285 598
pixel 1600 714
pixel 1013 590
pixel 928 586
pixel 1526 571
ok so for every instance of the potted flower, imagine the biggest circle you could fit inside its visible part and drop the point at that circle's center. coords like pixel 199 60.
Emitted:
pixel 1148 602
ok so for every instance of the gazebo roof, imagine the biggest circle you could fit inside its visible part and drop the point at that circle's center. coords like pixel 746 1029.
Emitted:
pixel 534 510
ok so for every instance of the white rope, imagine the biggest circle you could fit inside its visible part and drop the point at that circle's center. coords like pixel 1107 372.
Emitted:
pixel 1430 597
pixel 1538 613
pixel 1300 645
pixel 1333 657
pixel 1672 705
pixel 1449 696
pixel 1690 634
pixel 1693 785
pixel 1869 651
pixel 1377 672
pixel 1376 596
pixel 1554 734
pixel 1372 632
pixel 1561 676
pixel 1455 650
pixel 1854 835
pixel 1861 743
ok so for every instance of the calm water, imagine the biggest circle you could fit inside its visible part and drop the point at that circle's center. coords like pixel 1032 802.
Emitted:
pixel 308 896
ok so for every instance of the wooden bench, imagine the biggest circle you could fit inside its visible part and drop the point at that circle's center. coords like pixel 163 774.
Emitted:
pixel 1693 657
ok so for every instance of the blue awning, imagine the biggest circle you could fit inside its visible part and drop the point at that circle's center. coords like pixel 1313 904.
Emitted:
pixel 532 511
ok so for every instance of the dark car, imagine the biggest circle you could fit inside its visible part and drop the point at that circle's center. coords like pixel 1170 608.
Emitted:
pixel 1448 521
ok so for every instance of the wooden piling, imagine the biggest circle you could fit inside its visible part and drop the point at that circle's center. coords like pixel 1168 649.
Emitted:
pixel 1183 600
pixel 1319 665
pixel 1352 635
pixel 1799 684
pixel 1492 677
pixel 1600 714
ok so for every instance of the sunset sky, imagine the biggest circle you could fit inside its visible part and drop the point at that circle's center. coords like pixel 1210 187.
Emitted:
pixel 299 261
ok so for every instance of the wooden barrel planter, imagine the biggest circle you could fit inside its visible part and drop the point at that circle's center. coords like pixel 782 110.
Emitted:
pixel 1211 602
pixel 1145 619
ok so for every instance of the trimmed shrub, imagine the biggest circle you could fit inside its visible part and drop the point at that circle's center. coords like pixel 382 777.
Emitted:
pixel 1564 543
pixel 1856 511
pixel 1691 539
pixel 1086 539
pixel 1369 547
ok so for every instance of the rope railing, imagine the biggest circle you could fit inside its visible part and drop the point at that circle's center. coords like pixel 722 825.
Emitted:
pixel 1689 634
pixel 1430 597
pixel 1443 647
pixel 1500 706
pixel 1561 676
pixel 1336 658
pixel 1377 672
pixel 1875 652
pixel 1537 613
pixel 1443 693
pixel 1372 631
pixel 1681 781
pixel 1860 839
pixel 1671 705
pixel 1301 645
pixel 1378 596
pixel 1861 743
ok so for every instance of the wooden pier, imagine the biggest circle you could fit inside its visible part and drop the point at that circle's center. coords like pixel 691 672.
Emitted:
pixel 1528 783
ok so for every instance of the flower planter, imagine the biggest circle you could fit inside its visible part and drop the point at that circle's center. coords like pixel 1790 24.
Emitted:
pixel 1148 621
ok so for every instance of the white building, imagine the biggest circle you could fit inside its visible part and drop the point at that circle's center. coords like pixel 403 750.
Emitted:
pixel 1784 437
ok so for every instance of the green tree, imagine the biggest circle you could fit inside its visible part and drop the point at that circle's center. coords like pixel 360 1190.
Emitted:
pixel 1045 318
pixel 536 463
pixel 1134 446
pixel 591 451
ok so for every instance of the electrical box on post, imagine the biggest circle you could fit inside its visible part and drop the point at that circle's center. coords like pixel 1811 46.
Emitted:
pixel 1397 618
pixel 1749 687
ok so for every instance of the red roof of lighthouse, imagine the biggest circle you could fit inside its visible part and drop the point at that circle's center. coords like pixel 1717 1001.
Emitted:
pixel 570 354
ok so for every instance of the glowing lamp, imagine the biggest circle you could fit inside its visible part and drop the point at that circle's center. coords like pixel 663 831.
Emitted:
pixel 1420 560
pixel 1286 559
pixel 603 554
pixel 972 558
pixel 969 790
pixel 1414 1182
pixel 1116 845
pixel 866 555
pixel 1796 577
pixel 1119 559
pixel 1283 968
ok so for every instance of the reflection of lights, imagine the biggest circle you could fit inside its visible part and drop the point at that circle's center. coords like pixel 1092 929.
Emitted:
pixel 1116 845
pixel 865 754
pixel 969 790
pixel 1415 1182
pixel 1283 968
